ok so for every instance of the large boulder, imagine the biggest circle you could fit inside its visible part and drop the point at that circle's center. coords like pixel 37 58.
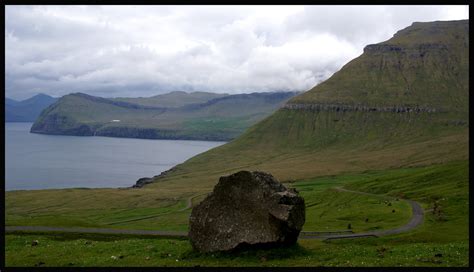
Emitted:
pixel 247 209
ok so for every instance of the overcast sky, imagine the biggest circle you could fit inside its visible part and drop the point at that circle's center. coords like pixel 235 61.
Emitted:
pixel 135 51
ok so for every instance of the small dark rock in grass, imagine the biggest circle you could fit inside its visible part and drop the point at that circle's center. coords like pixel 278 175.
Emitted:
pixel 366 220
pixel 381 251
pixel 438 255
pixel 349 226
pixel 121 257
pixel 393 211
pixel 34 243
pixel 39 263
pixel 389 203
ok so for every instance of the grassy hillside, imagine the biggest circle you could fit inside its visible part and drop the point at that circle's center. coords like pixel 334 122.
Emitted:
pixel 189 116
pixel 364 117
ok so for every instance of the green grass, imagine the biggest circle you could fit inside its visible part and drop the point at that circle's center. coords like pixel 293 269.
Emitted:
pixel 74 250
pixel 109 208
pixel 446 234
pixel 331 210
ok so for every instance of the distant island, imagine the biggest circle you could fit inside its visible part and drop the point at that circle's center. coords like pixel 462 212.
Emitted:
pixel 27 110
pixel 175 115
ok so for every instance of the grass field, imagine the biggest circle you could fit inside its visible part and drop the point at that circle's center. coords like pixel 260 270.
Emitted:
pixel 444 233
pixel 98 250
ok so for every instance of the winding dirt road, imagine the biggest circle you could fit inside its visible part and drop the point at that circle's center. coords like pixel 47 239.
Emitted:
pixel 415 220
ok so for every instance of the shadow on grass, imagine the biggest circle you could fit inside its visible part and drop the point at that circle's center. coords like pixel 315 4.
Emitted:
pixel 256 253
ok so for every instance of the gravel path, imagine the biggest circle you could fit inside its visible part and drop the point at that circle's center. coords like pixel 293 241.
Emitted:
pixel 416 219
pixel 190 202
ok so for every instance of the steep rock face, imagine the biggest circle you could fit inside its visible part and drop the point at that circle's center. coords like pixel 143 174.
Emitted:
pixel 246 208
pixel 134 132
pixel 61 125
pixel 425 64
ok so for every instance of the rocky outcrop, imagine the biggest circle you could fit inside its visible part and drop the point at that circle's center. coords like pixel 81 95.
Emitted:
pixel 141 182
pixel 134 132
pixel 421 48
pixel 144 181
pixel 382 48
pixel 61 125
pixel 247 209
pixel 363 108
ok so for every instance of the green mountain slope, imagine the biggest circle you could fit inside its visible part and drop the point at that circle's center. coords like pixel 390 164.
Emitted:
pixel 221 118
pixel 403 102
pixel 424 65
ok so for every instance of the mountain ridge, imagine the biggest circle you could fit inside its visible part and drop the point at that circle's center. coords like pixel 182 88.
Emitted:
pixel 28 109
pixel 222 117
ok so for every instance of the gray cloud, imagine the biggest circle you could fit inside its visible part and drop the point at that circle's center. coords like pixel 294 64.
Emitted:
pixel 147 50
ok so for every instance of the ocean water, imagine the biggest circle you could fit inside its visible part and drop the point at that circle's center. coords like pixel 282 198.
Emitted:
pixel 37 161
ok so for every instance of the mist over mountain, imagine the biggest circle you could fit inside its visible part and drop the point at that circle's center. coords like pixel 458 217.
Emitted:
pixel 26 110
